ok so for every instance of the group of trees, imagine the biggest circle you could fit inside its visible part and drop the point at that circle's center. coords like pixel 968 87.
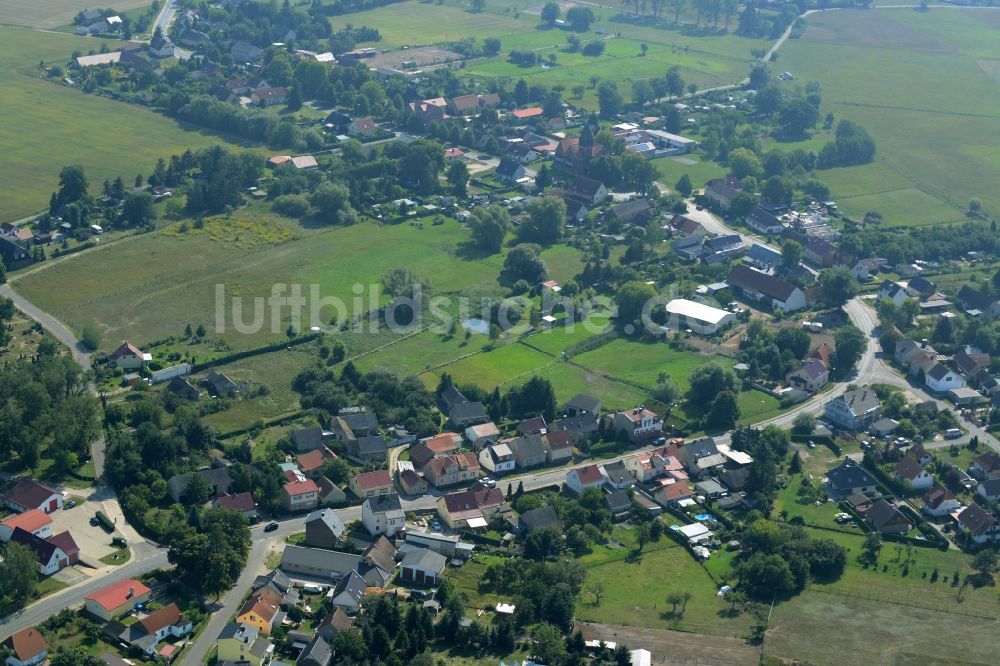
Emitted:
pixel 45 408
pixel 778 560
pixel 211 550
pixel 770 354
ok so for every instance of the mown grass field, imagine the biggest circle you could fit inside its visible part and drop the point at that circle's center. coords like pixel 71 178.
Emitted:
pixel 53 13
pixel 924 85
pixel 47 126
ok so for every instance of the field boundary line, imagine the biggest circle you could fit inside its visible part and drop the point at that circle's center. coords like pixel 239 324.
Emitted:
pixel 899 603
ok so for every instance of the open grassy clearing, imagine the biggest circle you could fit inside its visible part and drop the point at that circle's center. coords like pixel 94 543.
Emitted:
pixel 671 169
pixel 53 13
pixel 159 282
pixel 908 207
pixel 642 362
pixel 636 591
pixel 568 380
pixel 275 371
pixel 929 135
pixel 47 126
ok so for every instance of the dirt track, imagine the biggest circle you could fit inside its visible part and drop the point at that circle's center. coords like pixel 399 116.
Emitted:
pixel 676 648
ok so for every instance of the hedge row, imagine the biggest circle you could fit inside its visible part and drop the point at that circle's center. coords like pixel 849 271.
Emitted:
pixel 257 351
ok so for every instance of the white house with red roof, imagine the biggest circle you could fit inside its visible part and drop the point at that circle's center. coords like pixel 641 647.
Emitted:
pixel 28 494
pixel 34 521
pixel 116 599
pixel 27 647
pixel 300 495
pixel 128 357
pixel 590 476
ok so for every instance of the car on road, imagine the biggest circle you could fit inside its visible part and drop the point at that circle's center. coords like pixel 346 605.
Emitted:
pixel 952 433
pixel 487 482
pixel 270 527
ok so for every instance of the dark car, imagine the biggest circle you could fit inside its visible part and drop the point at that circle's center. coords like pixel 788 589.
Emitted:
pixel 270 527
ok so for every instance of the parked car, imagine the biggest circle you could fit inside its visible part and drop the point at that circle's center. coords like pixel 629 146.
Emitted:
pixel 270 527
pixel 952 433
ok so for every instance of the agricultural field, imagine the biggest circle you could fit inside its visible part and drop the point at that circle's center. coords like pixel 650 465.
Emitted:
pixel 932 153
pixel 705 59
pixel 53 13
pixel 157 283
pixel 41 135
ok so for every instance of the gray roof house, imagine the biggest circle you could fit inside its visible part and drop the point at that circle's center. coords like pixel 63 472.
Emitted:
pixel 316 653
pixel 323 529
pixel 216 477
pixel 543 516
pixel 581 403
pixel 367 449
pixel 349 591
pixel 307 439
pixel 848 479
pixel 855 410
pixel 422 566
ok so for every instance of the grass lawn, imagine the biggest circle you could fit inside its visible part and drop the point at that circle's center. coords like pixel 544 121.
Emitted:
pixel 642 362
pixel 504 364
pixel 929 137
pixel 671 169
pixel 636 590
pixel 422 351
pixel 47 126
pixel 117 558
pixel 275 371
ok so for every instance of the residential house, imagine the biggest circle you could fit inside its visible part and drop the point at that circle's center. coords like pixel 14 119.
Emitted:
pixel 162 623
pixel 558 446
pixel 820 252
pixel 316 653
pixel 975 303
pixel 736 469
pixel 422 566
pixel 128 357
pixel 722 191
pixel 978 523
pixel 528 451
pixel 940 378
pixel 333 624
pixel 371 484
pixel 466 414
pixel 536 519
pixel 446 545
pixel 884 427
pixel 910 472
pixel 864 269
pixel 921 286
pixel 619 503
pixel 855 410
pixel 300 495
pixel 686 227
pixel 245 52
pixel 497 459
pixel 443 444
pixel 240 503
pixel 29 494
pixel 860 503
pixel 885 518
pixel 32 521
pixel 509 171
pixel 329 493
pixel 990 489
pixel 242 644
pixel 452 469
pixel 986 466
pixel 220 385
pixel 27 647
pixel 764 221
pixel 618 476
pixel 669 492
pixel 482 435
pixel 907 350
pixel 579 427
pixel 473 507
pixel 348 592
pixel 848 479
pixel 636 211
pixel 412 483
pixel 970 362
pixel 161 46
pixel 367 449
pixel 589 191
pixel 650 465
pixel 639 424
pixel 811 376
pixel 262 610
pixel 311 463
pixel 183 389
pixel 114 600
pixel 763 258
pixel 920 454
pixel 362 127
pixel 582 478
pixel 894 292
pixel 307 439
pixel 581 404
pixel 720 249
pixel 701 456
pixel 383 514
pixel 771 292
pixel 464 105
pixel 323 529
pixel 533 426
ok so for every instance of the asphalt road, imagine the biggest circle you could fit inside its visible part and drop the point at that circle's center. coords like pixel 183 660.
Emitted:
pixel 56 328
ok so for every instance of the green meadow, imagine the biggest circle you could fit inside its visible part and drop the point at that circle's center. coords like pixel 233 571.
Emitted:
pixel 925 85
pixel 48 125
